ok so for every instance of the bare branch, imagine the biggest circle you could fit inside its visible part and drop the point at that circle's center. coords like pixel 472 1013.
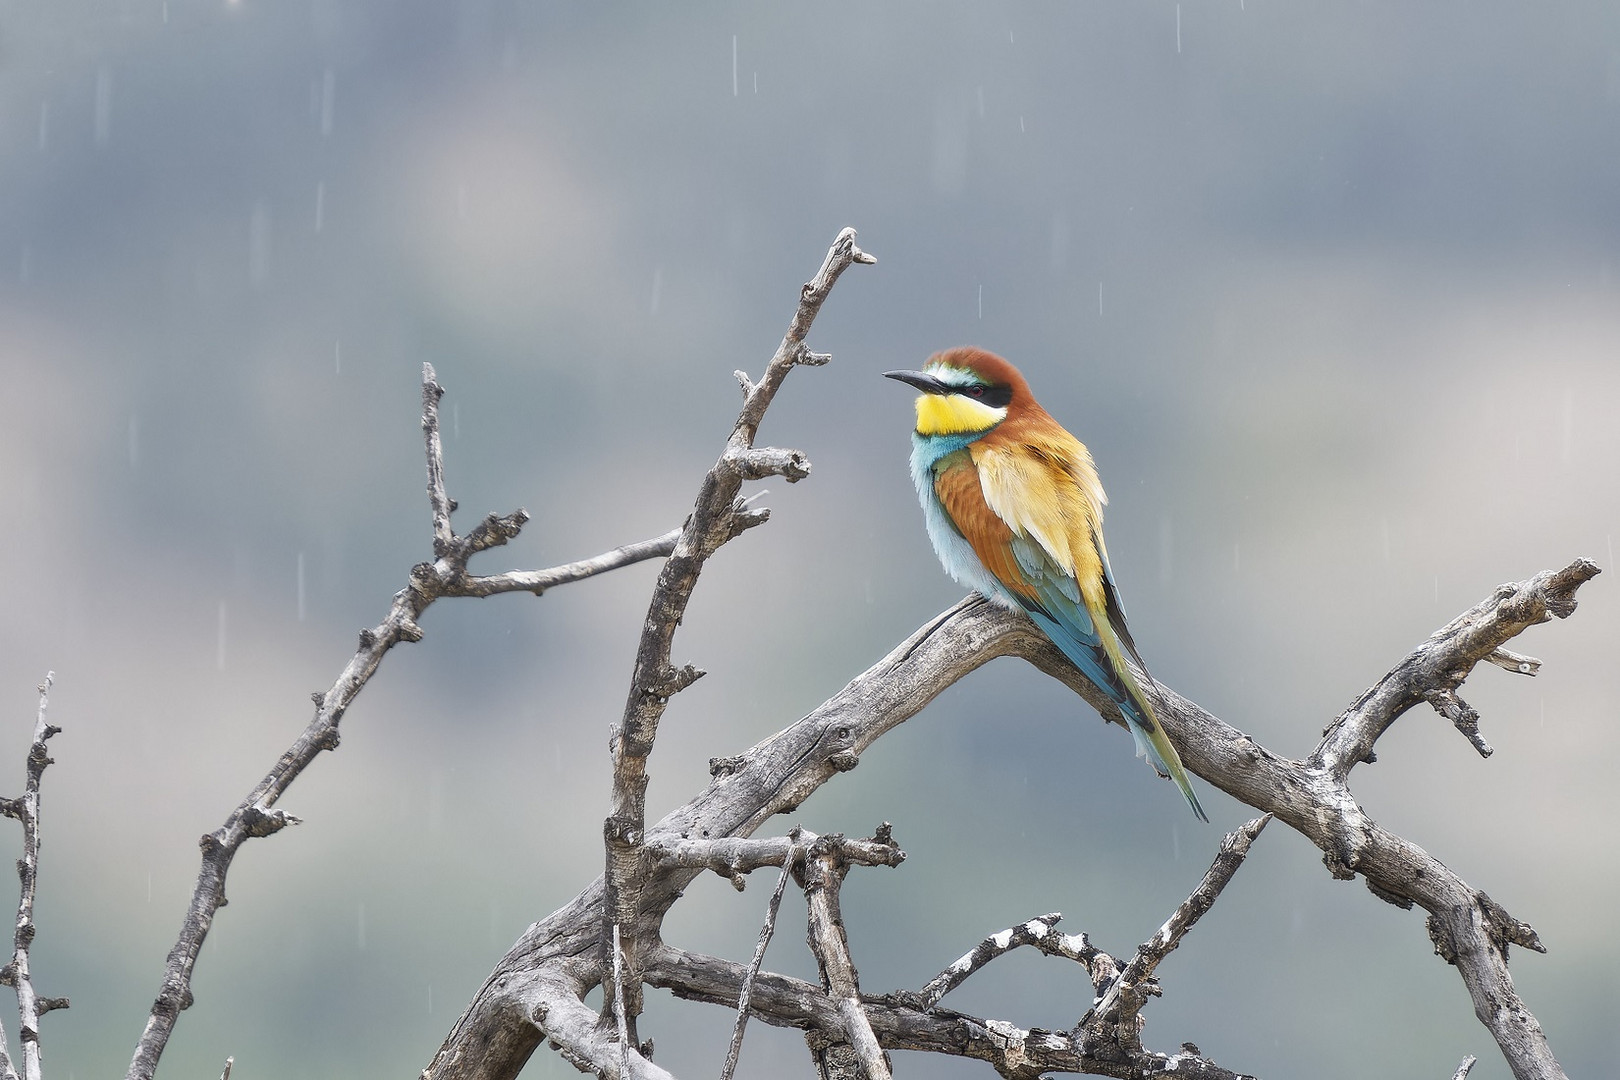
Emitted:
pixel 1508 660
pixel 777 775
pixel 1038 932
pixel 538 581
pixel 1017 1052
pixel 731 857
pixel 438 501
pixel 1465 1068
pixel 1462 716
pixel 823 877
pixel 1447 658
pixel 715 519
pixel 16 974
pixel 744 995
pixel 1117 1011
pixel 618 1005
pixel 257 815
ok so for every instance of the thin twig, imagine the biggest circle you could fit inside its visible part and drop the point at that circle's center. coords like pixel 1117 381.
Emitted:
pixel 538 581
pixel 30 1007
pixel 1119 1006
pixel 1038 932
pixel 746 993
pixel 1463 1069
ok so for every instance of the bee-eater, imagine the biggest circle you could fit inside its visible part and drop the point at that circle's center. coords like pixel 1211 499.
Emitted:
pixel 1014 509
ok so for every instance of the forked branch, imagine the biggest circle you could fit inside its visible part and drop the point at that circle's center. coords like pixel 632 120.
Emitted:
pixel 257 815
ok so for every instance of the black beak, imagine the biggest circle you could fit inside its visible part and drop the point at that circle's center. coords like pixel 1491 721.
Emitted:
pixel 922 381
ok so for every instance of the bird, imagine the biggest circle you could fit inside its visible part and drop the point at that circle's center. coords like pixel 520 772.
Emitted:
pixel 1013 506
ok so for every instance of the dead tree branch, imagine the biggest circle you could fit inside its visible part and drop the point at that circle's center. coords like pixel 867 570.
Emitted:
pixel 823 880
pixel 257 814
pixel 717 516
pixel 498 1031
pixel 745 995
pixel 1116 1015
pixel 16 973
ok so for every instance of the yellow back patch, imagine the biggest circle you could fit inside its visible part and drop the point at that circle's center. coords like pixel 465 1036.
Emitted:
pixel 954 414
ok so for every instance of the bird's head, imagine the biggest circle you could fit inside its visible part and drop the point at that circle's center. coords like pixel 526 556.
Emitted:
pixel 965 391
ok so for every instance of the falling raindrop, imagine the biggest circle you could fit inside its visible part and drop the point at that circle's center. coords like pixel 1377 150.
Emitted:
pixel 436 801
pixel 165 12
pixel 149 886
pixel 44 125
pixel 756 83
pixel 1020 125
pixel 1178 29
pixel 300 586
pixel 981 301
pixel 1099 299
pixel 1166 551
pixel 328 101
pixel 134 440
pixel 103 105
pixel 1236 562
pixel 259 243
pixel 361 936
pixel 657 290
pixel 733 65
pixel 1569 424
pixel 337 357
pixel 320 205
pixel 219 639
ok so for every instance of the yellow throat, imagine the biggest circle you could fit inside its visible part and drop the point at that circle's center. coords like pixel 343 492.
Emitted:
pixel 953 414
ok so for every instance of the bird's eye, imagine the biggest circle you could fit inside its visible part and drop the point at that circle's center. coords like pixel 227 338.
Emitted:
pixel 977 391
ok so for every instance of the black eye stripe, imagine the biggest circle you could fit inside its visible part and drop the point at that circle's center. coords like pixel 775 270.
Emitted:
pixel 997 397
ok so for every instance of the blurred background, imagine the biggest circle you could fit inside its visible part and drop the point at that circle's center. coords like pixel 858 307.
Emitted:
pixel 1332 292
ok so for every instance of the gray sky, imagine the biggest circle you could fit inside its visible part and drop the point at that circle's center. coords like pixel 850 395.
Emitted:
pixel 1331 291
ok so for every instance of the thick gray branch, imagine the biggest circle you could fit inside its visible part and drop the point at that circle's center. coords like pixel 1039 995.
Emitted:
pixel 494 1037
pixel 823 878
pixel 1014 1051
